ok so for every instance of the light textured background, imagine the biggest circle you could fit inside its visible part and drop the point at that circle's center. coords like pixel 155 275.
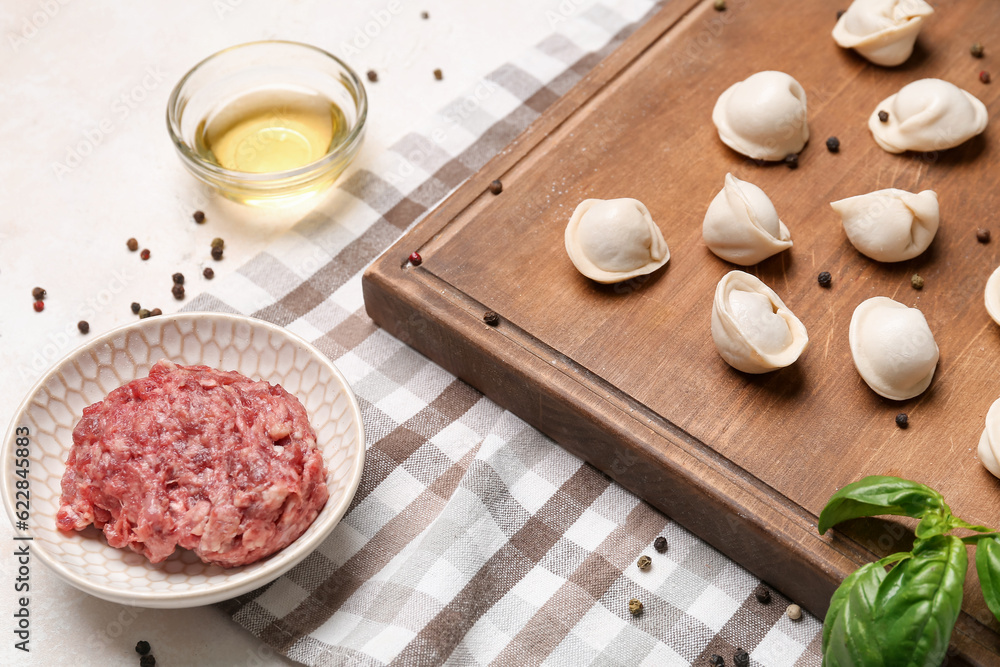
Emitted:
pixel 64 67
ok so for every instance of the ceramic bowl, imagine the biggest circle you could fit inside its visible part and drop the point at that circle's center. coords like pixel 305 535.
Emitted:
pixel 55 404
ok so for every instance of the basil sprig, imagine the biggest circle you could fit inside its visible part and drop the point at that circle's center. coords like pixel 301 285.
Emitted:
pixel 904 616
pixel 875 496
pixel 988 568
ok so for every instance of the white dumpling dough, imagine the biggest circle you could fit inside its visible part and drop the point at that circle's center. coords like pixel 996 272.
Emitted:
pixel 610 240
pixel 890 225
pixel 763 116
pixel 989 441
pixel 893 348
pixel 752 328
pixel 928 115
pixel 883 31
pixel 992 294
pixel 742 226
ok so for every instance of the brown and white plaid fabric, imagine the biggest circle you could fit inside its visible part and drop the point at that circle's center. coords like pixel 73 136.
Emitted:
pixel 473 539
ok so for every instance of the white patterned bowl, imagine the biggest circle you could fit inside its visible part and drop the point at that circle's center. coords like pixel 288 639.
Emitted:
pixel 228 342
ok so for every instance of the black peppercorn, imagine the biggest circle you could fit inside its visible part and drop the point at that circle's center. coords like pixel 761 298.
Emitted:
pixel 983 235
pixel 741 658
pixel 142 647
pixel 38 293
pixel 833 145
pixel 199 217
pixel 660 544
pixel 208 273
pixel 132 245
pixel 372 75
pixel 491 318
pixel 178 278
pixel 792 161
pixel 902 421
pixel 883 116
pixel 762 594
pixel 83 326
pixel 716 660
pixel 496 187
pixel 136 307
pixel 824 279
pixel 144 255
pixel 177 291
pixel 216 253
pixel 147 661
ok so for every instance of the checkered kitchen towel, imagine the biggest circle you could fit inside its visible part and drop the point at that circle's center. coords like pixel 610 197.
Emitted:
pixel 474 539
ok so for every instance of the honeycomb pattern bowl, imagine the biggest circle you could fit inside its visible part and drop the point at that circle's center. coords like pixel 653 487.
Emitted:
pixel 229 342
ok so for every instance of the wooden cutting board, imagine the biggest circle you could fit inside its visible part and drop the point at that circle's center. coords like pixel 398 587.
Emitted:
pixel 627 376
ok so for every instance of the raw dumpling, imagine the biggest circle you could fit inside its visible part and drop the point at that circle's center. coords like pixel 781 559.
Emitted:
pixel 989 441
pixel 883 31
pixel 752 328
pixel 993 295
pixel 763 116
pixel 893 348
pixel 890 225
pixel 610 240
pixel 928 115
pixel 741 225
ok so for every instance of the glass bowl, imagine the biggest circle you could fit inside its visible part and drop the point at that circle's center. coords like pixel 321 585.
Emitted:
pixel 268 123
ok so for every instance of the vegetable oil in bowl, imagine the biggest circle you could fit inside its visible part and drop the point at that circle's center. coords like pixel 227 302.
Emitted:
pixel 271 131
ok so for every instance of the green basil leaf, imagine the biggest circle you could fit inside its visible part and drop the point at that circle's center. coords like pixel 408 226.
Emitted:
pixel 988 567
pixel 918 603
pixel 849 639
pixel 961 523
pixel 865 581
pixel 934 524
pixel 877 495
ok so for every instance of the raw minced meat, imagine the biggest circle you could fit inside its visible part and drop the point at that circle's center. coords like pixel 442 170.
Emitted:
pixel 207 460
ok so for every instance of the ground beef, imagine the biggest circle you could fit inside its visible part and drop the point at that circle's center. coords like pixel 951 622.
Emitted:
pixel 207 460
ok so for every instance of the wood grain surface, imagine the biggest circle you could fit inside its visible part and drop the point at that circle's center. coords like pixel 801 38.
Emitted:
pixel 627 375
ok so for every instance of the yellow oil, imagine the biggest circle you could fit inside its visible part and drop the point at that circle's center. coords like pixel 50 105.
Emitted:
pixel 271 131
